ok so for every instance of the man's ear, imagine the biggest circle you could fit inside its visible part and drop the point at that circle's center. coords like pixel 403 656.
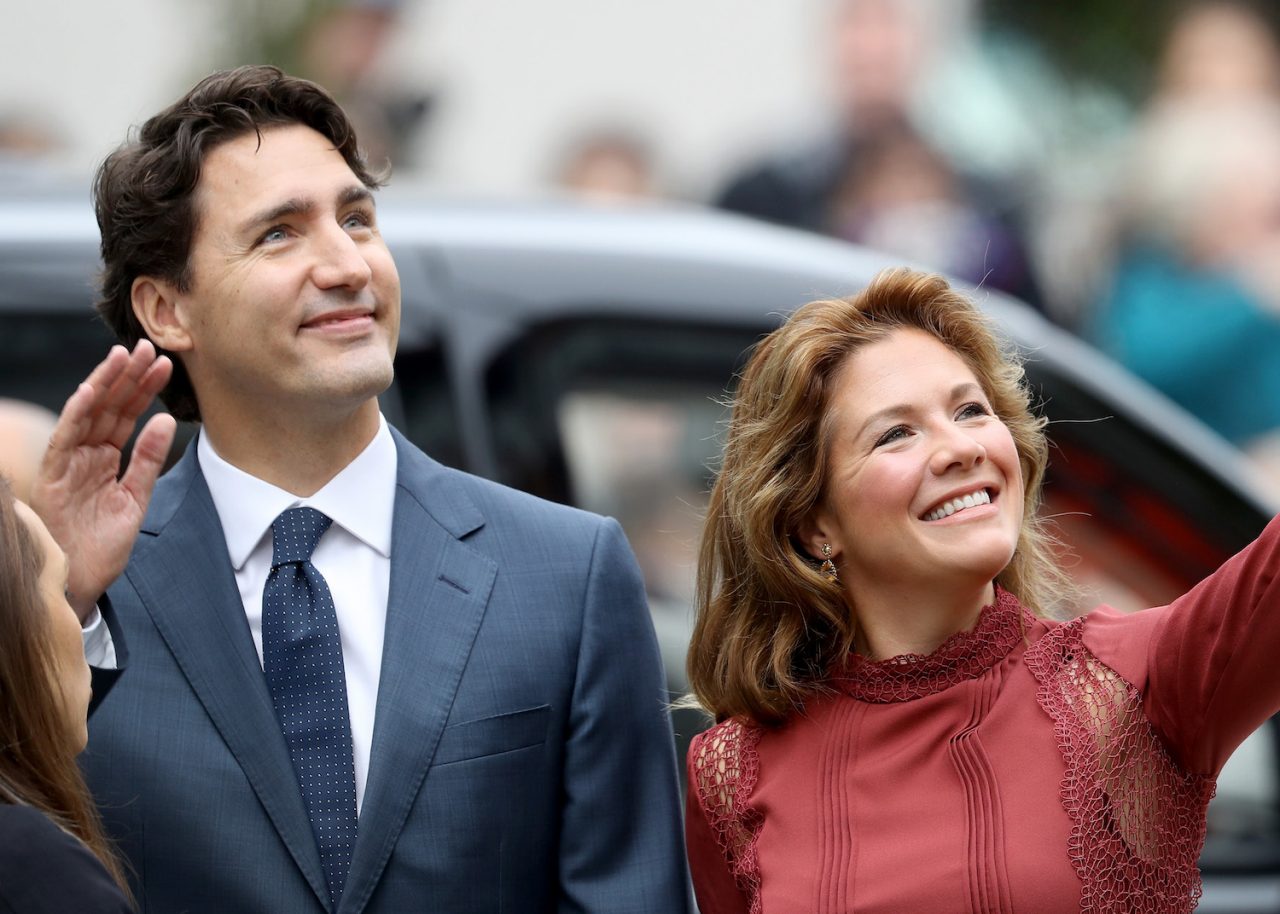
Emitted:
pixel 157 306
pixel 816 531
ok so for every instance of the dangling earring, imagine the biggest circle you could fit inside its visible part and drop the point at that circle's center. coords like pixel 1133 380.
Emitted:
pixel 828 568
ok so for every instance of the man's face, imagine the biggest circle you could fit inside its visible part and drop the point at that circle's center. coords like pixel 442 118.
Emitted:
pixel 294 303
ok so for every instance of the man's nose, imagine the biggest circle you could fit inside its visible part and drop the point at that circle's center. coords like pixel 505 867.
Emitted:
pixel 340 261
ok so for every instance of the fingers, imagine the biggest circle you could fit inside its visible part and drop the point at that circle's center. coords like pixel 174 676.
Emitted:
pixel 114 420
pixel 152 380
pixel 106 406
pixel 75 425
pixel 109 369
pixel 69 432
pixel 149 453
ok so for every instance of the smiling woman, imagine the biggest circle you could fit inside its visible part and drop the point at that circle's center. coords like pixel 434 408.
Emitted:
pixel 871 639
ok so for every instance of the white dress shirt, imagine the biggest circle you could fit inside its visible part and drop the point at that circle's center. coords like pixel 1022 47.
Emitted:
pixel 354 555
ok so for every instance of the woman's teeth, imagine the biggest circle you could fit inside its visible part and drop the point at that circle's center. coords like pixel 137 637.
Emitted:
pixel 980 497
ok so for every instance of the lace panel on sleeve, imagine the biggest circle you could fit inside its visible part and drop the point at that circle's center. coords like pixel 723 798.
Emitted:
pixel 725 767
pixel 1138 821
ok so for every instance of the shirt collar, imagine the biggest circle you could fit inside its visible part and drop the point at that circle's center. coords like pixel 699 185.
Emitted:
pixel 360 499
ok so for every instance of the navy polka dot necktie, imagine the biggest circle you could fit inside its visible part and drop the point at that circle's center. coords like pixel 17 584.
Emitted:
pixel 302 657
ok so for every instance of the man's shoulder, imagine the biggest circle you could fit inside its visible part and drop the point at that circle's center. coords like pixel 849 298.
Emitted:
pixel 433 484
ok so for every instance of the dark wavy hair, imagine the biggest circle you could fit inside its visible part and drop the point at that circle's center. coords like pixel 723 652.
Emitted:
pixel 144 193
pixel 37 755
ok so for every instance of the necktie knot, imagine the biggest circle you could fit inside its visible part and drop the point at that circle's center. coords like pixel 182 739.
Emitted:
pixel 295 533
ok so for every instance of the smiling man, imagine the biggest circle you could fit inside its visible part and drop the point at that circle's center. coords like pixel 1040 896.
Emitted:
pixel 349 679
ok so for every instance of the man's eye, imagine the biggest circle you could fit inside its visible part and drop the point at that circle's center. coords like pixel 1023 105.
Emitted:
pixel 896 433
pixel 274 235
pixel 357 220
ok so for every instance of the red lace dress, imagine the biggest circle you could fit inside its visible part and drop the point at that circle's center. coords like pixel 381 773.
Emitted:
pixel 1025 766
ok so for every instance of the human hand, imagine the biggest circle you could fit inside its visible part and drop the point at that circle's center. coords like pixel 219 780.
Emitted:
pixel 94 516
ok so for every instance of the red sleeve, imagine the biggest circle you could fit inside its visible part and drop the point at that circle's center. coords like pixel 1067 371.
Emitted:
pixel 713 884
pixel 1214 658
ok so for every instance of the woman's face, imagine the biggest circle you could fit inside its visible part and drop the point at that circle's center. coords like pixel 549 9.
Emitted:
pixel 73 681
pixel 924 487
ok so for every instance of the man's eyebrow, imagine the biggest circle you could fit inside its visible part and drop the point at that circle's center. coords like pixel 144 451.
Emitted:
pixel 302 206
pixel 294 206
pixel 356 193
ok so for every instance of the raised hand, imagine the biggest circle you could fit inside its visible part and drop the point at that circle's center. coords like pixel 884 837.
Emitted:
pixel 94 516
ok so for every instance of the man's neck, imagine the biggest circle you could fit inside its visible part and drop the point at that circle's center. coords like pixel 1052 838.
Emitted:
pixel 299 455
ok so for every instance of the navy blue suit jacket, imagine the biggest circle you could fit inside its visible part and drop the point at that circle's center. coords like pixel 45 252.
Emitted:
pixel 521 759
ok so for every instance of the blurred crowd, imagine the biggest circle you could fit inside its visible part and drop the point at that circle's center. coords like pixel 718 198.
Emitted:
pixel 1148 231
pixel 1161 249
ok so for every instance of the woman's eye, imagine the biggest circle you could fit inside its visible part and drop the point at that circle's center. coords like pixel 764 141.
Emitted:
pixel 972 411
pixel 896 433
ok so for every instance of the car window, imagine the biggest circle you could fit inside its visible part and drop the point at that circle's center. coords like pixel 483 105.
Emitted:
pixel 1244 821
pixel 642 457
pixel 45 354
pixel 421 405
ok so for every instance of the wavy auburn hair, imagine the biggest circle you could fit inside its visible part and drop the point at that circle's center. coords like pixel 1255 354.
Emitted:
pixel 769 625
pixel 37 753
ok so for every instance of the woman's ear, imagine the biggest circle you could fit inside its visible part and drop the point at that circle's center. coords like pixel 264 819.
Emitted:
pixel 818 531
pixel 157 307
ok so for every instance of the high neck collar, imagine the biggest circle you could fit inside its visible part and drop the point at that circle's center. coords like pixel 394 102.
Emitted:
pixel 965 655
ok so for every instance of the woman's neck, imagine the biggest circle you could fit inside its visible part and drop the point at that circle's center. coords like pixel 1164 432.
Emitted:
pixel 900 621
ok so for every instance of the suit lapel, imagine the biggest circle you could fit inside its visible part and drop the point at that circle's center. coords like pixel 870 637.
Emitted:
pixel 186 582
pixel 439 590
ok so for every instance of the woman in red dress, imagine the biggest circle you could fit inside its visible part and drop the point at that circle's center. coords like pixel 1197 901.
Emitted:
pixel 899 728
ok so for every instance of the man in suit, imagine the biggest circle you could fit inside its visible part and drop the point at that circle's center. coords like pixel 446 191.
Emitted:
pixel 350 679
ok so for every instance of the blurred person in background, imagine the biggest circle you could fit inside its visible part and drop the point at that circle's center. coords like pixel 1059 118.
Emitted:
pixel 24 433
pixel 1218 50
pixel 344 50
pixel 900 195
pixel 901 725
pixel 1193 304
pixel 882 53
pixel 25 136
pixel 54 856
pixel 608 165
pixel 29 145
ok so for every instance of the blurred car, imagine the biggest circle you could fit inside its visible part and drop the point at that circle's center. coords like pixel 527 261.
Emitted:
pixel 582 354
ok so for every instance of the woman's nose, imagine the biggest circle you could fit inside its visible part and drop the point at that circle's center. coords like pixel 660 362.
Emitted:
pixel 957 448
